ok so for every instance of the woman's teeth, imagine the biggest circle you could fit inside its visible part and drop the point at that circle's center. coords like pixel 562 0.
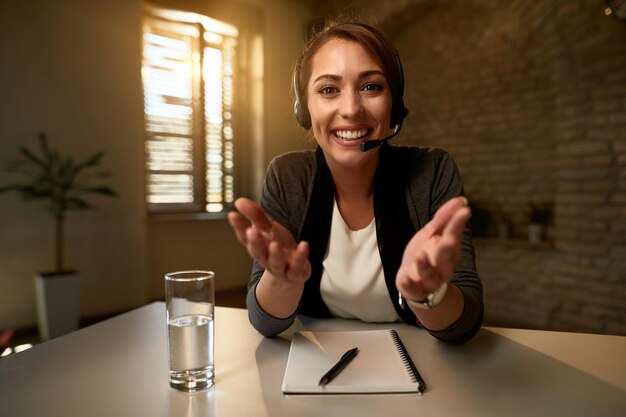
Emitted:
pixel 351 134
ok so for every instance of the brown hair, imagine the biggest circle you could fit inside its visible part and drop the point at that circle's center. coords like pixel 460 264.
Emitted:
pixel 375 43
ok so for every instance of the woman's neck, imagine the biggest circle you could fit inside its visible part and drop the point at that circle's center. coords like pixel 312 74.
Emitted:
pixel 354 182
pixel 354 193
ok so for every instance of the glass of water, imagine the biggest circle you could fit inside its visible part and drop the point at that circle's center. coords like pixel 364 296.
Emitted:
pixel 190 301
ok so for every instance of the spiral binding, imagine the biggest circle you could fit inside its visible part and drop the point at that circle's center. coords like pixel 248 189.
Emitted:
pixel 407 361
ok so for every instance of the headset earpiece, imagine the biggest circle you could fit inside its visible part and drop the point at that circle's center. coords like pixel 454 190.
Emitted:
pixel 300 111
pixel 398 109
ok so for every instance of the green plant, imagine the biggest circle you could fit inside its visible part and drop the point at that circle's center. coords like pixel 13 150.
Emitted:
pixel 540 213
pixel 60 182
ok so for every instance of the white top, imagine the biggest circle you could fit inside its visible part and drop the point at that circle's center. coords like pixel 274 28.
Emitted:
pixel 353 284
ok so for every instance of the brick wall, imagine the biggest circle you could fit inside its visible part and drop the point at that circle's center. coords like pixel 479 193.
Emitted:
pixel 529 97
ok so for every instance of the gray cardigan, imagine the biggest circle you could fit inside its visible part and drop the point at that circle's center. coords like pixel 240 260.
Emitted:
pixel 410 185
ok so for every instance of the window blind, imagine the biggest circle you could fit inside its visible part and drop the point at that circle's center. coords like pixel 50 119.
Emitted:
pixel 188 74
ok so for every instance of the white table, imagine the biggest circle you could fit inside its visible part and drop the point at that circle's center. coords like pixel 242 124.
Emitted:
pixel 118 368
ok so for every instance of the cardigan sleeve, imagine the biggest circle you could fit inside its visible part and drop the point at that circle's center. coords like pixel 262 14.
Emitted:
pixel 446 184
pixel 283 199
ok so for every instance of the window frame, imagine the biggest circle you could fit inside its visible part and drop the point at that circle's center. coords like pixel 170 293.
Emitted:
pixel 242 176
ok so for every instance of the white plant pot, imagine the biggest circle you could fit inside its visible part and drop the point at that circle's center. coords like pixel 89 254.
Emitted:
pixel 58 304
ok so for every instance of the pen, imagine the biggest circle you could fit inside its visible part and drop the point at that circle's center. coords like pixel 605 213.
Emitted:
pixel 338 367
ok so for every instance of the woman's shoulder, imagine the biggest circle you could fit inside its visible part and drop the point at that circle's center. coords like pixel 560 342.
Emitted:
pixel 295 161
pixel 292 172
pixel 287 187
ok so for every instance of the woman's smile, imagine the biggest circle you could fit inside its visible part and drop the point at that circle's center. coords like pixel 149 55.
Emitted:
pixel 350 136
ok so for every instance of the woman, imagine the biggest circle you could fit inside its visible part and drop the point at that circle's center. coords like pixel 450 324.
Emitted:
pixel 378 235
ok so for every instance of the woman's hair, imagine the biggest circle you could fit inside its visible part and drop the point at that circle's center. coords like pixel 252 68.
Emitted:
pixel 374 41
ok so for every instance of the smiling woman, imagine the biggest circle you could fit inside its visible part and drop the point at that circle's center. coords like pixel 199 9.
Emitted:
pixel 354 231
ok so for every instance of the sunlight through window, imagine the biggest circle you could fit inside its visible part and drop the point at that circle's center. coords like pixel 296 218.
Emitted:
pixel 188 76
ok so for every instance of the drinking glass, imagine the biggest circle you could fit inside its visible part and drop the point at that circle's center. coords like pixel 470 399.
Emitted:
pixel 190 301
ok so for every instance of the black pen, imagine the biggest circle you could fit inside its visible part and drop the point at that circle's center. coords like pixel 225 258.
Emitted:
pixel 338 367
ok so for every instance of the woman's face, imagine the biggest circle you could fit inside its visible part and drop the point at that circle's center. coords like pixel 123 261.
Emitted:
pixel 349 101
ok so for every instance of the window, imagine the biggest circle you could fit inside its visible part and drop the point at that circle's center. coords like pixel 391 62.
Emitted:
pixel 189 72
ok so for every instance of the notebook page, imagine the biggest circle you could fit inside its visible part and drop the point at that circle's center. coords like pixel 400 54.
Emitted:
pixel 377 368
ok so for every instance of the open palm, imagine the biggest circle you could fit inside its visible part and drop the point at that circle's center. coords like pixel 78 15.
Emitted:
pixel 271 244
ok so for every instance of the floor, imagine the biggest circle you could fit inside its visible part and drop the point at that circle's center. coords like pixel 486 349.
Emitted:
pixel 225 298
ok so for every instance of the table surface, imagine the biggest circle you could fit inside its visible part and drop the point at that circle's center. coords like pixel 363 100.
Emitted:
pixel 119 368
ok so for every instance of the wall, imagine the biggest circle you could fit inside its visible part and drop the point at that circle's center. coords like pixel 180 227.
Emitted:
pixel 529 97
pixel 73 69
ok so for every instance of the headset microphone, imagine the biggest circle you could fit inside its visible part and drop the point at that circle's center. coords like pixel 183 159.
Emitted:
pixel 375 143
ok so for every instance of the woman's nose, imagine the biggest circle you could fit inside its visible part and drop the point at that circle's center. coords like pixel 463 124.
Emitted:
pixel 350 104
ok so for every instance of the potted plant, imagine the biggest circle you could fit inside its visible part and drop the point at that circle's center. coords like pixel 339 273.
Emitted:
pixel 539 216
pixel 61 184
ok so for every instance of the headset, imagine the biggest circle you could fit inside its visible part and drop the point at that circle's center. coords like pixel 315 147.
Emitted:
pixel 398 109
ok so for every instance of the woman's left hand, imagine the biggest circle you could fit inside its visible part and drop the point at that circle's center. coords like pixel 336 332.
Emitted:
pixel 431 255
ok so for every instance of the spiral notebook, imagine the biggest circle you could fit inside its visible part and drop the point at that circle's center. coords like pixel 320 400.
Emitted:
pixel 382 364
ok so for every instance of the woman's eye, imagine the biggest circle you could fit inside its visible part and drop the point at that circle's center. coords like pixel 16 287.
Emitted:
pixel 327 89
pixel 372 87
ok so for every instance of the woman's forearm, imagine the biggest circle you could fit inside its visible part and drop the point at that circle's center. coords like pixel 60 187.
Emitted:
pixel 446 313
pixel 278 296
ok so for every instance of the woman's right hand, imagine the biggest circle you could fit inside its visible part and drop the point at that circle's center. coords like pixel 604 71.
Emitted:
pixel 271 244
